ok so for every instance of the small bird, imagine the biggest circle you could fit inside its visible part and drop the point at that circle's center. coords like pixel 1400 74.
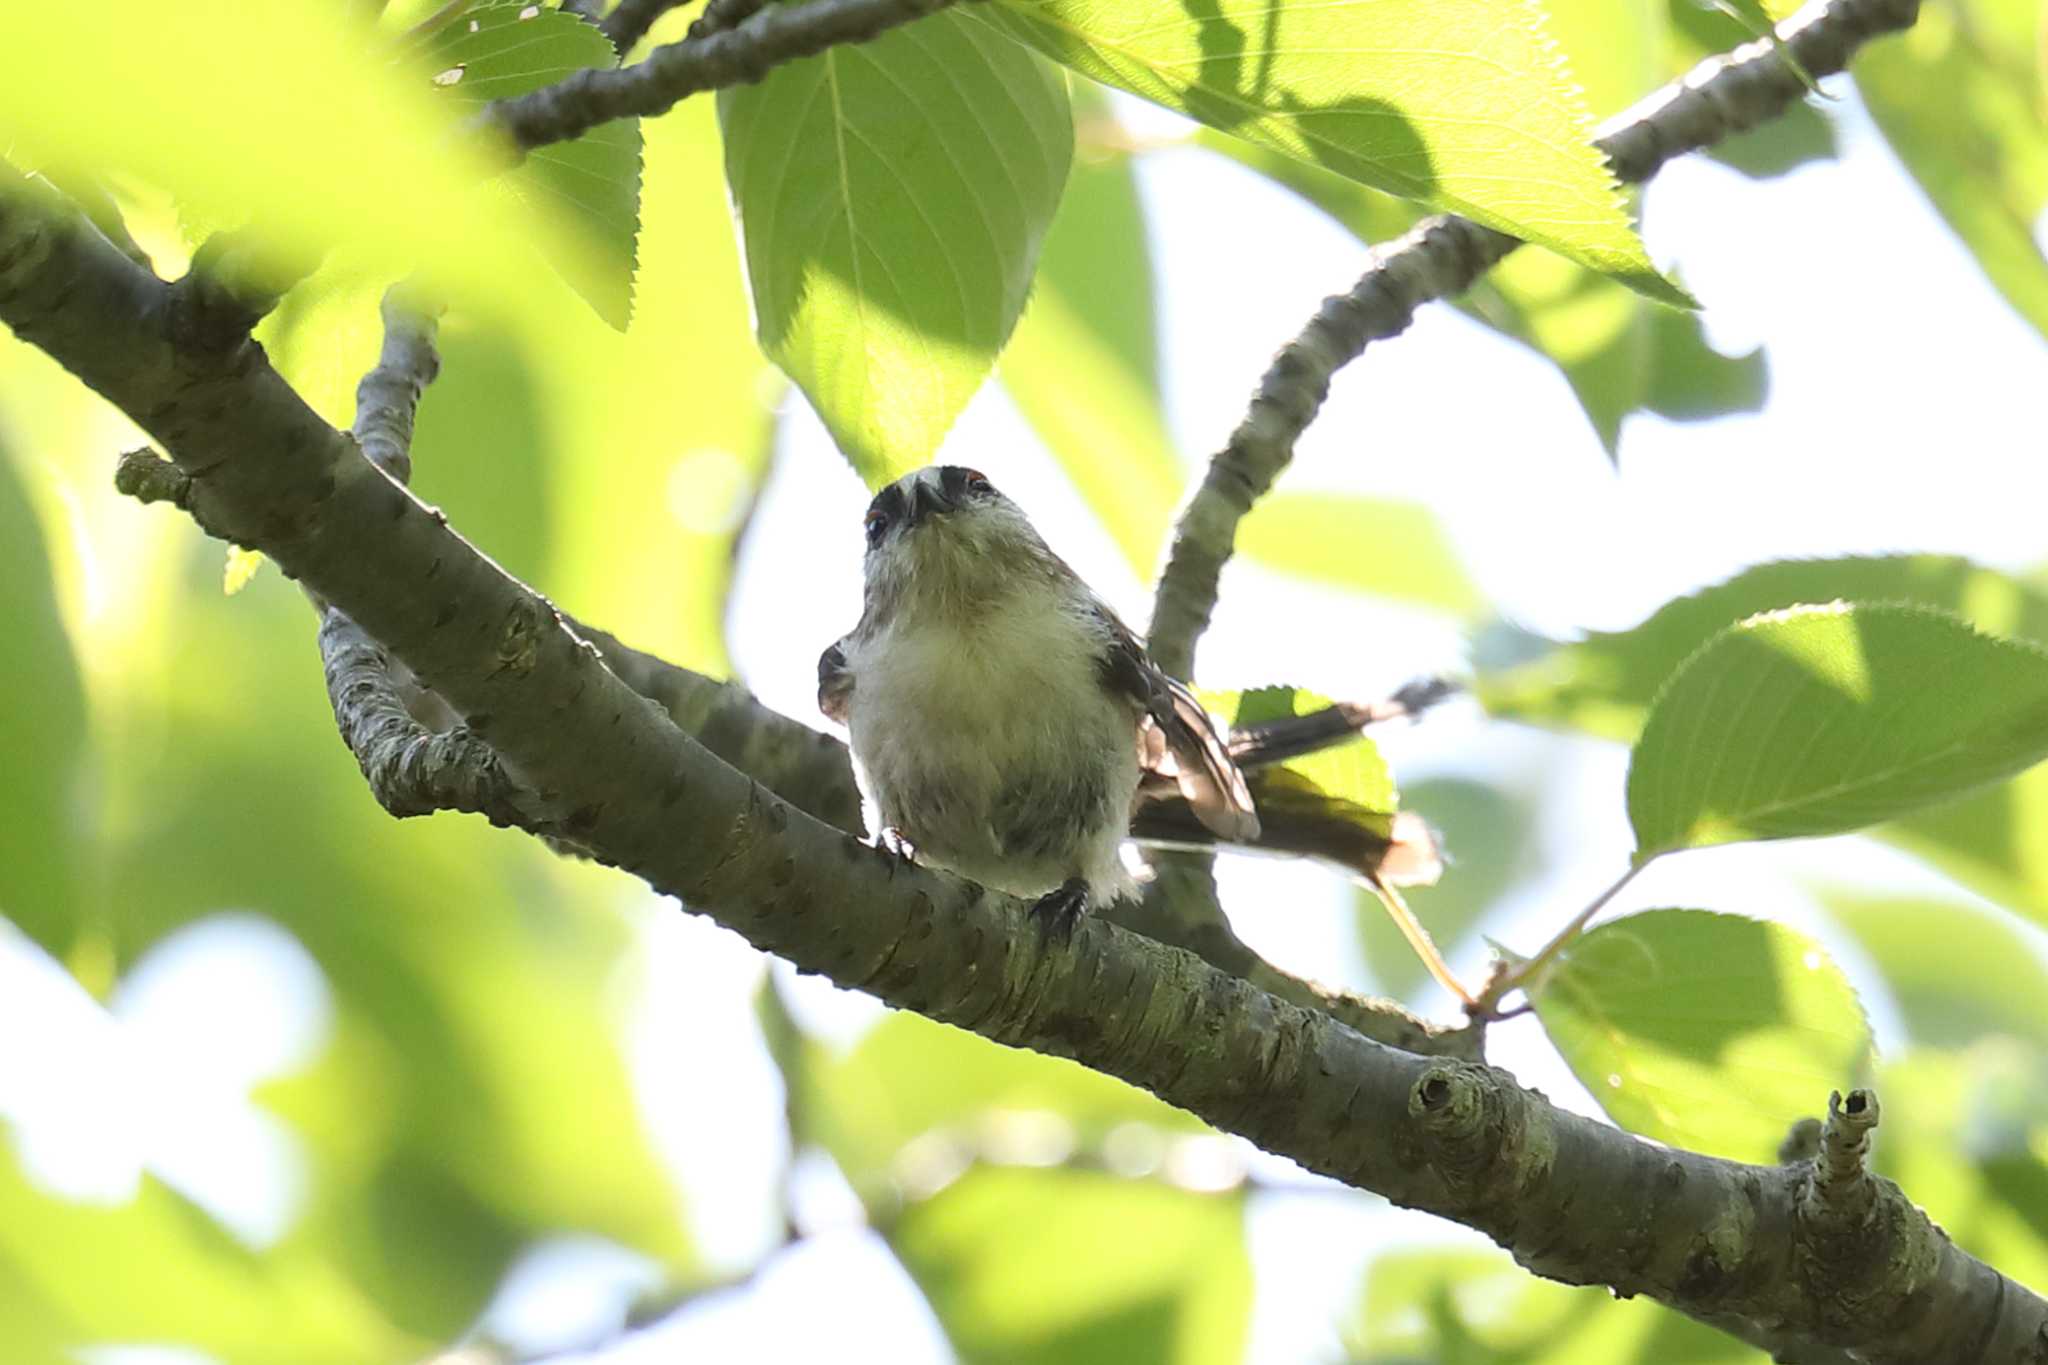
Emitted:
pixel 1004 721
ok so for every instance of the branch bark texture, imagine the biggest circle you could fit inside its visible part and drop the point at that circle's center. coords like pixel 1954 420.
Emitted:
pixel 1442 257
pixel 1816 1256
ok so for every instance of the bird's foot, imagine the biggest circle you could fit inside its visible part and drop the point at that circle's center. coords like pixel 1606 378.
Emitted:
pixel 1058 910
pixel 891 840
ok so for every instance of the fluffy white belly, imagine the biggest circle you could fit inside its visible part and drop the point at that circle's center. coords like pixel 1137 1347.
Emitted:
pixel 998 753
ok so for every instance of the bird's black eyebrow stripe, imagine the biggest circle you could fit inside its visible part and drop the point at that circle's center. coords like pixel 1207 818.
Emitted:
pixel 953 481
pixel 889 502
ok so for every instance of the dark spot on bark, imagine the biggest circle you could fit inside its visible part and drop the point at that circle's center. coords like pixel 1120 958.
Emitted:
pixel 1704 1277
pixel 478 723
pixel 582 820
pixel 448 612
pixel 434 567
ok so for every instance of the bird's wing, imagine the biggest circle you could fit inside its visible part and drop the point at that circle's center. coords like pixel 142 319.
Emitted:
pixel 835 682
pixel 1176 737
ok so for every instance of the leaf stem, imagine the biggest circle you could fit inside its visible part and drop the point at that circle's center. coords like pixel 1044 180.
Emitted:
pixel 1488 1004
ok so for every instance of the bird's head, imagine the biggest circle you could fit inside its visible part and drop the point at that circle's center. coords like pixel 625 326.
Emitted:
pixel 942 536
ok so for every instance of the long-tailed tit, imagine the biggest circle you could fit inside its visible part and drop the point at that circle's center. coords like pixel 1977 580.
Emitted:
pixel 1004 721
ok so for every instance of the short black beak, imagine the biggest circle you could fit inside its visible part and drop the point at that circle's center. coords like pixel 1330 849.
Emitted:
pixel 927 500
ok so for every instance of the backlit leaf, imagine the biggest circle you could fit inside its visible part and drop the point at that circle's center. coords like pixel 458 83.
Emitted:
pixel 1464 105
pixel 495 49
pixel 1981 150
pixel 1710 1032
pixel 1375 545
pixel 1090 1269
pixel 1823 719
pixel 893 195
pixel 368 155
pixel 1603 683
pixel 910 1076
pixel 45 834
pixel 1958 972
pixel 1083 366
pixel 1482 1308
pixel 1618 352
pixel 1352 771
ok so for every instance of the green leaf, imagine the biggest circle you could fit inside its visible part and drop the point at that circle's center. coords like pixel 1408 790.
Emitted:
pixel 1963 1132
pixel 1690 381
pixel 1800 135
pixel 45 830
pixel 1995 840
pixel 893 196
pixel 1464 105
pixel 1958 973
pixel 910 1076
pixel 1618 352
pixel 1980 151
pixel 365 151
pixel 1480 1308
pixel 474 1097
pixel 1351 772
pixel 1087 1269
pixel 1083 366
pixel 182 1279
pixel 1710 1032
pixel 648 448
pixel 1374 545
pixel 1822 719
pixel 1603 684
pixel 495 49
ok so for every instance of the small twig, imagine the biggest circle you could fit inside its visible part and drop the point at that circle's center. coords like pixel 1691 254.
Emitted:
pixel 148 477
pixel 388 396
pixel 411 769
pixel 738 56
pixel 720 15
pixel 629 23
pixel 1442 257
pixel 1840 1189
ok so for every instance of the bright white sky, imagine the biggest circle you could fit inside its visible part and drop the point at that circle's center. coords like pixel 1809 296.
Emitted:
pixel 1903 393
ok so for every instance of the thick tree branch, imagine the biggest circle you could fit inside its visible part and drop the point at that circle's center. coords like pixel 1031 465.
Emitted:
pixel 739 55
pixel 1442 257
pixel 1764 1248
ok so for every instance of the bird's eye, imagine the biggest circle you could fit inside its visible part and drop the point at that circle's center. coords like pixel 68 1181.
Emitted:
pixel 876 522
pixel 978 482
